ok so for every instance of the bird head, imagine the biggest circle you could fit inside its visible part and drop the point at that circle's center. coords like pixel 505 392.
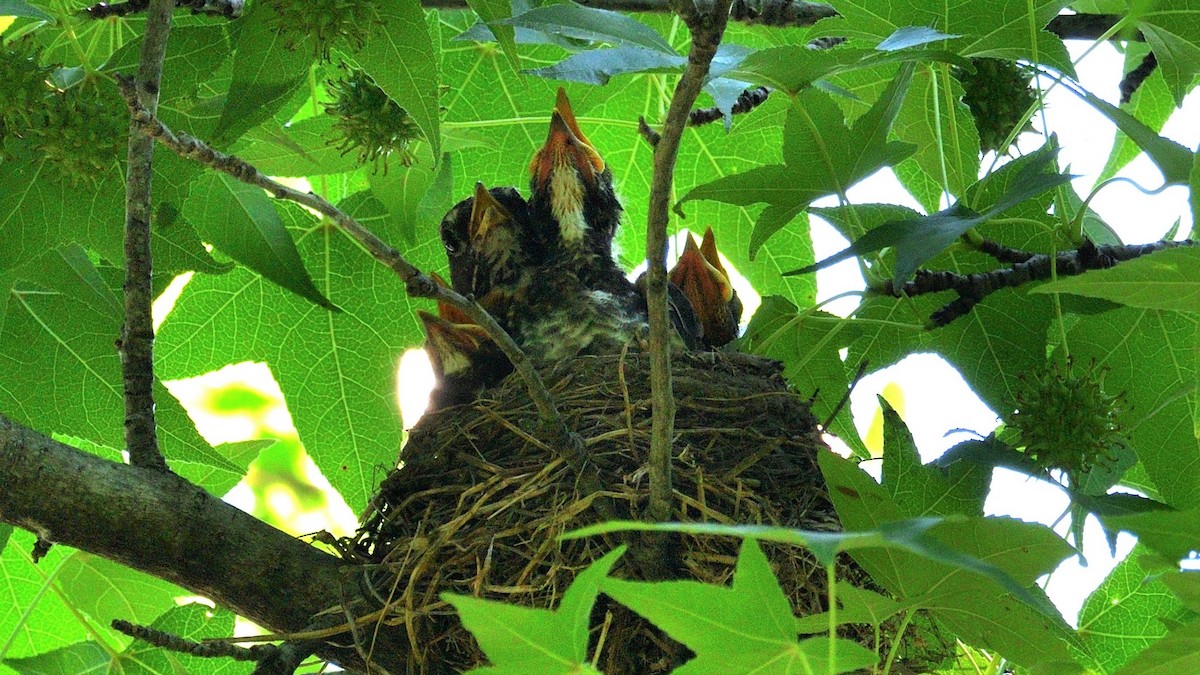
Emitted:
pixel 489 239
pixel 451 347
pixel 570 180
pixel 708 290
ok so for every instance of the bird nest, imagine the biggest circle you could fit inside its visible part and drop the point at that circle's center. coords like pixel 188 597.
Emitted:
pixel 480 499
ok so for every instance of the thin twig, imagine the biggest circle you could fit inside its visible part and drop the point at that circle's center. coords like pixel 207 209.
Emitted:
pixel 136 343
pixel 707 29
pixel 858 376
pixel 1001 253
pixel 973 288
pixel 1133 79
pixel 748 100
pixel 416 283
pixel 204 650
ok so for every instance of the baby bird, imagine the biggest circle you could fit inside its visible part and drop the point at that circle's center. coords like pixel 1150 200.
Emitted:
pixel 703 280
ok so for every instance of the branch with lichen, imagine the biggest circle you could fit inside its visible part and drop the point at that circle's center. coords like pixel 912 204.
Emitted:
pixel 416 283
pixel 136 344
pixel 707 28
pixel 1026 268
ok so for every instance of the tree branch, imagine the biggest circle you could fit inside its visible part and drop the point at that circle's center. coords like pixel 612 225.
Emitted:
pixel 230 9
pixel 973 288
pixel 158 523
pixel 137 333
pixel 707 29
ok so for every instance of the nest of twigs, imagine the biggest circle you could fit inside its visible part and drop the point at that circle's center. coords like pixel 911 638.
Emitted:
pixel 480 499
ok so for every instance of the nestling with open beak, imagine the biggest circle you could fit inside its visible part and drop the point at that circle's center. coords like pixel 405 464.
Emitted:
pixel 702 278
pixel 463 357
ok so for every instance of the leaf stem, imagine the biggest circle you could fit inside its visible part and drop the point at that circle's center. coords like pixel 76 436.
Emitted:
pixel 898 639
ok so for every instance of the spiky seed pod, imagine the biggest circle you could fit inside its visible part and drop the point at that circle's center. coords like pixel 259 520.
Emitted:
pixel 369 121
pixel 998 94
pixel 85 132
pixel 328 22
pixel 1065 420
pixel 24 93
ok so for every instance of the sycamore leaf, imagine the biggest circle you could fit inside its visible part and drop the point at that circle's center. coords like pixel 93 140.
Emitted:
pixel 81 658
pixel 1176 652
pixel 912 36
pixel 821 156
pixel 927 490
pixel 1185 586
pixel 1022 625
pixel 402 61
pixel 1172 29
pixel 920 239
pixel 1152 104
pixel 193 622
pixel 1172 159
pixel 856 605
pixel 491 12
pixel 596 66
pixel 534 640
pixel 740 629
pixel 1172 533
pixel 241 221
pixel 304 148
pixel 1167 279
pixel 587 23
pixel 22 8
pixel 1126 613
pixel 1194 196
pixel 270 69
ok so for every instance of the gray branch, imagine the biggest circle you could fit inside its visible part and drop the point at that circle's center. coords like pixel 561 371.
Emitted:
pixel 137 333
pixel 160 524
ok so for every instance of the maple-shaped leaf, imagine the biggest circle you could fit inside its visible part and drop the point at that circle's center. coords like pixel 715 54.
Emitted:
pixel 1172 29
pixel 534 640
pixel 821 156
pixel 748 627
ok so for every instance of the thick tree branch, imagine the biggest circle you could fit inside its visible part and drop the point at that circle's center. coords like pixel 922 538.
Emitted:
pixel 137 333
pixel 158 523
pixel 1027 268
pixel 230 9
pixel 707 29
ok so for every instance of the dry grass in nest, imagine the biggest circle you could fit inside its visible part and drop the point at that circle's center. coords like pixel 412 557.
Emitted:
pixel 480 500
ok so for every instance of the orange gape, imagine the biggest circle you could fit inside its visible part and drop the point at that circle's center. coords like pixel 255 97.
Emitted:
pixel 565 145
pixel 703 280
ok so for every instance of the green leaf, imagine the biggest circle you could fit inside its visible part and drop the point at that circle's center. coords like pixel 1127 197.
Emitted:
pixel 995 28
pixel 31 603
pixel 106 590
pixel 926 490
pixel 22 8
pixel 337 370
pixel 821 157
pixel 1172 29
pixel 597 66
pixel 1167 279
pixel 81 658
pixel 1126 613
pixel 241 221
pixel 401 190
pixel 534 640
pixel 935 119
pixel 304 148
pixel 857 605
pixel 1172 533
pixel 1028 631
pixel 1171 158
pixel 194 54
pixel 1177 652
pixel 58 366
pixel 1194 195
pixel 401 59
pixel 1151 104
pixel 809 345
pixel 1122 342
pixel 587 23
pixel 912 36
pixel 270 68
pixel 491 12
pixel 919 240
pixel 740 629
pixel 1185 586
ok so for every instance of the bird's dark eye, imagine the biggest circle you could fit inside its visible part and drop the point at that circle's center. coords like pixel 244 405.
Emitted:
pixel 453 245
